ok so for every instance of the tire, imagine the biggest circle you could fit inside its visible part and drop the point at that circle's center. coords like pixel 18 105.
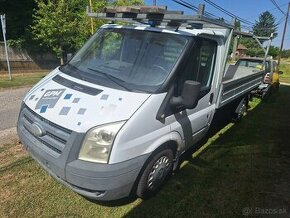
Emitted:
pixel 242 109
pixel 155 174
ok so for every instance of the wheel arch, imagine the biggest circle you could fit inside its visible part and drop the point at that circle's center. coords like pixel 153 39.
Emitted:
pixel 174 143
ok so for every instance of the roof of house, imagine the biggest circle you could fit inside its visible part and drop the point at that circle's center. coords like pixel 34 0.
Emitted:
pixel 241 47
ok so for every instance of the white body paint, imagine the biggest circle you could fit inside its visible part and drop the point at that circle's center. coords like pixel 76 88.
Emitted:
pixel 97 110
pixel 142 133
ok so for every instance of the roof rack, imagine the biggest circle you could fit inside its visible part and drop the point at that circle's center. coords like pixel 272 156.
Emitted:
pixel 159 16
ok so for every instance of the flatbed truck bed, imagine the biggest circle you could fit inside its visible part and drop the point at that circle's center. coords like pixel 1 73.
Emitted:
pixel 237 82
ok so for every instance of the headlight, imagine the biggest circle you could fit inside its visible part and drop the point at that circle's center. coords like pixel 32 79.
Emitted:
pixel 98 143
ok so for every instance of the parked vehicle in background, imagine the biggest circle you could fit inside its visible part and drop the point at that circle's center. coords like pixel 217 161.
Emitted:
pixel 270 77
pixel 117 117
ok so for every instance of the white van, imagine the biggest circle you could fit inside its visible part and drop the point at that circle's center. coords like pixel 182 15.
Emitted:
pixel 115 119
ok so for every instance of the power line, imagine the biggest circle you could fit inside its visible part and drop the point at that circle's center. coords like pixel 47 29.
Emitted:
pixel 249 25
pixel 186 4
pixel 228 13
pixel 284 31
pixel 194 8
pixel 206 13
pixel 277 6
pixel 272 9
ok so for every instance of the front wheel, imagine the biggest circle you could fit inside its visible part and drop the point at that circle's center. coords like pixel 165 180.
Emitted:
pixel 155 174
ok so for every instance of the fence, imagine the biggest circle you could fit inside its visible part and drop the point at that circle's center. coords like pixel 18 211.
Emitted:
pixel 21 61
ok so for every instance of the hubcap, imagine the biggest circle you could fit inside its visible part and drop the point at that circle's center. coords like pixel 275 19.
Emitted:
pixel 158 173
pixel 243 110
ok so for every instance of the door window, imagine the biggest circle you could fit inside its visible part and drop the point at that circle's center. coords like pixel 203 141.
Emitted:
pixel 200 65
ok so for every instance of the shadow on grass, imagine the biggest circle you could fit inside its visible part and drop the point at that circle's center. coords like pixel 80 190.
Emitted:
pixel 17 163
pixel 242 168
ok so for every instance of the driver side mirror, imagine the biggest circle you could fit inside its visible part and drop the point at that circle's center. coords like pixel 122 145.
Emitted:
pixel 189 95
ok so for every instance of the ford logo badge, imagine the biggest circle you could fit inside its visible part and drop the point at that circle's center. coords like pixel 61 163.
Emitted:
pixel 37 130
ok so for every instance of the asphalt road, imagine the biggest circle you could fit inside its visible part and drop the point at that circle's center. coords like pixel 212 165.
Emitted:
pixel 10 101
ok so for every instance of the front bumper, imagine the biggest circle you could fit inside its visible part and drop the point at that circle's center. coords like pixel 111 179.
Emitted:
pixel 102 182
pixel 97 182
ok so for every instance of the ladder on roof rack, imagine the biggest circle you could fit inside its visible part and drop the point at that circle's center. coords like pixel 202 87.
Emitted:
pixel 158 16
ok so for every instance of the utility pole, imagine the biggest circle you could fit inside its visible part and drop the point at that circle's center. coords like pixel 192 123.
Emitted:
pixel 284 32
pixel 3 24
pixel 154 2
pixel 91 19
pixel 235 46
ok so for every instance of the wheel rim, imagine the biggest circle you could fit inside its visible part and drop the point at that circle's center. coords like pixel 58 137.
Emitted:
pixel 242 110
pixel 158 173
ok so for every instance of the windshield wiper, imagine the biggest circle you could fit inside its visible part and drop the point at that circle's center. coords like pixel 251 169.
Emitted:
pixel 112 78
pixel 71 69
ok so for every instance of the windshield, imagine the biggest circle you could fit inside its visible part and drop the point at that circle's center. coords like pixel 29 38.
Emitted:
pixel 127 59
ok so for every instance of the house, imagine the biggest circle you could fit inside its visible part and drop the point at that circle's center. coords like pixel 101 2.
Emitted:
pixel 241 50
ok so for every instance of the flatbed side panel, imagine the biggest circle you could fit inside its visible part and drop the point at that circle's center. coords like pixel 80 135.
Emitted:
pixel 233 89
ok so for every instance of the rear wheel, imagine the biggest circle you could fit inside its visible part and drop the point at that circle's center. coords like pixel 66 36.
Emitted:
pixel 155 174
pixel 241 110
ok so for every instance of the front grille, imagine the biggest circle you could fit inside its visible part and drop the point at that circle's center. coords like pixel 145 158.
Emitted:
pixel 55 138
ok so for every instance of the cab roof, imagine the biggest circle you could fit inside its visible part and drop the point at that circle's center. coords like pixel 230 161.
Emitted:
pixel 179 31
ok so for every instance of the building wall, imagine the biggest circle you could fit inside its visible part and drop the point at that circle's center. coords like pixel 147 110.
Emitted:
pixel 19 59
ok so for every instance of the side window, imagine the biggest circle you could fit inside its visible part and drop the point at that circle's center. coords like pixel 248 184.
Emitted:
pixel 200 65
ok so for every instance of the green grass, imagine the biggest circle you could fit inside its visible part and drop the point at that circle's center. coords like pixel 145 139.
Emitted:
pixel 245 165
pixel 20 80
pixel 285 67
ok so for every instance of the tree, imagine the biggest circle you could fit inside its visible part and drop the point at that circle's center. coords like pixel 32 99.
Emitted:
pixel 265 25
pixel 60 25
pixel 285 53
pixel 63 26
pixel 253 48
pixel 274 51
pixel 18 17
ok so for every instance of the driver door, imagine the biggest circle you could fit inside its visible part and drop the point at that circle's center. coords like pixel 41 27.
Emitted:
pixel 192 124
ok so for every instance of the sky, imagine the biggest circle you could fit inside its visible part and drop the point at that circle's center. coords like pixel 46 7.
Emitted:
pixel 246 9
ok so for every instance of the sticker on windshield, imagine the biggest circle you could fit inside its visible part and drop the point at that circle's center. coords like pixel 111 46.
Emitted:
pixel 50 98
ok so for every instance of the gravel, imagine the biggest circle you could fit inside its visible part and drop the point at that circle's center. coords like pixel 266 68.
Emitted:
pixel 10 102
pixel 9 137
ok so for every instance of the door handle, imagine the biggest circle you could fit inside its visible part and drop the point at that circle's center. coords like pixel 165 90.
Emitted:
pixel 211 98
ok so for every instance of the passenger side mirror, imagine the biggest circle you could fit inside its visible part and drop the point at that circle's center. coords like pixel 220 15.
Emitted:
pixel 280 72
pixel 189 95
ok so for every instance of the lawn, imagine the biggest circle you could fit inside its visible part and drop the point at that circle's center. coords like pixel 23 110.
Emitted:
pixel 242 170
pixel 285 67
pixel 20 80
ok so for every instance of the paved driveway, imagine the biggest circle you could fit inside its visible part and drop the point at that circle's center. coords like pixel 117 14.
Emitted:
pixel 10 101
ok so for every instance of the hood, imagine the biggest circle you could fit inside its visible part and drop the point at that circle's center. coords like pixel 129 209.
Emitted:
pixel 78 105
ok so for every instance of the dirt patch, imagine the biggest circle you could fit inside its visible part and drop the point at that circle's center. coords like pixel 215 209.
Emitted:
pixel 10 154
pixel 8 136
